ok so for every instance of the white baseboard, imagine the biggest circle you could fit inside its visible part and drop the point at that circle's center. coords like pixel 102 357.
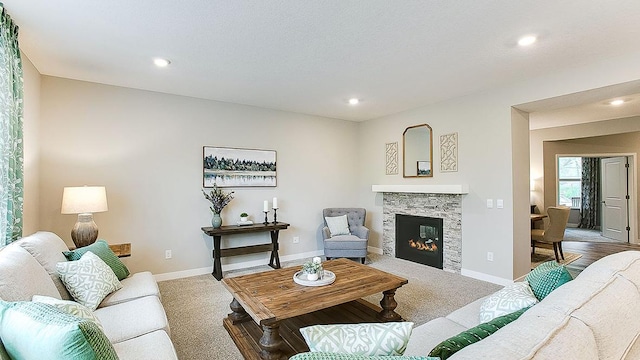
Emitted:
pixel 374 250
pixel 236 266
pixel 486 277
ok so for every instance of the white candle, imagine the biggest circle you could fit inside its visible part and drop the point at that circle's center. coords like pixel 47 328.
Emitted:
pixel 266 206
pixel 275 203
pixel 317 260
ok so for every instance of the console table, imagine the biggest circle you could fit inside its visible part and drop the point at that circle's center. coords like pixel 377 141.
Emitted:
pixel 274 229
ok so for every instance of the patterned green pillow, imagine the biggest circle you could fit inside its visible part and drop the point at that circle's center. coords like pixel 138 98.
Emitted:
pixel 547 277
pixel 89 280
pixel 32 330
pixel 336 356
pixel 101 248
pixel 456 343
pixel 70 307
pixel 361 339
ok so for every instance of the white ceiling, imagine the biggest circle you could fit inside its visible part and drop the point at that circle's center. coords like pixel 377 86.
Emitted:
pixel 312 56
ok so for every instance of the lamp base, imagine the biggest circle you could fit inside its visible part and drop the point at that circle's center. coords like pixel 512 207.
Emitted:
pixel 85 231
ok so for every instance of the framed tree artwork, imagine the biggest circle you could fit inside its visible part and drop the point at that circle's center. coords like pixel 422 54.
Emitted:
pixel 231 167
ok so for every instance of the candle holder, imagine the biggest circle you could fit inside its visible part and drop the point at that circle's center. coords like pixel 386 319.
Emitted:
pixel 265 218
pixel 275 215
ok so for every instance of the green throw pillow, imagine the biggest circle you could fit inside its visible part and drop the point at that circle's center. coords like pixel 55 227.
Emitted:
pixel 336 356
pixel 547 277
pixel 101 248
pixel 33 330
pixel 456 343
pixel 89 280
pixel 362 339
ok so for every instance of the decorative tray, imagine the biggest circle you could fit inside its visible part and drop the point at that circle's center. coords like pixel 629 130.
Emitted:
pixel 244 223
pixel 301 278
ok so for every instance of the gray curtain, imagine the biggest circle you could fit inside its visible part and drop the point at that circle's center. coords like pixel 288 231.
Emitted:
pixel 11 117
pixel 590 207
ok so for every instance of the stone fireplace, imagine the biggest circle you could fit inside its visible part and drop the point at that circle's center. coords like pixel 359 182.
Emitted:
pixel 419 239
pixel 432 201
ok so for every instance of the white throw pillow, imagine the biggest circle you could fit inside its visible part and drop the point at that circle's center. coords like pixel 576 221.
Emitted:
pixel 70 307
pixel 89 280
pixel 511 298
pixel 388 339
pixel 338 225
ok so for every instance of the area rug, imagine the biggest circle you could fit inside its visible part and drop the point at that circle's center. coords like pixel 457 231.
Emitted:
pixel 543 255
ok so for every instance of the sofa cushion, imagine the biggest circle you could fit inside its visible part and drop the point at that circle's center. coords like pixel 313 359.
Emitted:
pixel 613 317
pixel 338 225
pixel 547 277
pixel 512 297
pixel 155 345
pixel 447 348
pixel 467 315
pixel 133 287
pixel 426 336
pixel 47 248
pixel 101 248
pixel 32 330
pixel 338 356
pixel 133 318
pixel 70 307
pixel 21 276
pixel 363 339
pixel 88 280
pixel 573 340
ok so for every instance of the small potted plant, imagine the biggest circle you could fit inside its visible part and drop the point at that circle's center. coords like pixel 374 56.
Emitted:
pixel 244 217
pixel 313 269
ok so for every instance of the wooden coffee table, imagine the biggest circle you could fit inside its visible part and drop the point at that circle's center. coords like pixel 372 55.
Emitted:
pixel 269 308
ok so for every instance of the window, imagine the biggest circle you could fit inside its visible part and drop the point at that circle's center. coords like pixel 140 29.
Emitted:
pixel 569 181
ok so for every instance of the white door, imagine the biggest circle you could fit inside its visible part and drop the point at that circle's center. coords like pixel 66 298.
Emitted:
pixel 614 198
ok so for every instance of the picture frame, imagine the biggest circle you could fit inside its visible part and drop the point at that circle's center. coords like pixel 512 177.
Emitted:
pixel 424 168
pixel 237 167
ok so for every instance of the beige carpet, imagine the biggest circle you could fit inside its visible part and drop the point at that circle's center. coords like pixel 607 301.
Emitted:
pixel 195 306
pixel 543 255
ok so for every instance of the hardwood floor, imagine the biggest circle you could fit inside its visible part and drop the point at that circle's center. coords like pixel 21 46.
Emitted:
pixel 592 251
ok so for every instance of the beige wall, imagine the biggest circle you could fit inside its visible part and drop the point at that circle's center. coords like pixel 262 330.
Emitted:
pixel 628 143
pixel 146 148
pixel 31 146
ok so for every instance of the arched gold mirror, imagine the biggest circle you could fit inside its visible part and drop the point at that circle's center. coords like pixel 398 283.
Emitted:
pixel 417 151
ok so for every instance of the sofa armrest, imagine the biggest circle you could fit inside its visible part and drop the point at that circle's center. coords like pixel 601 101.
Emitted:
pixel 326 234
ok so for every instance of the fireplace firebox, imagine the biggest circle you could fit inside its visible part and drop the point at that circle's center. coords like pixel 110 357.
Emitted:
pixel 419 239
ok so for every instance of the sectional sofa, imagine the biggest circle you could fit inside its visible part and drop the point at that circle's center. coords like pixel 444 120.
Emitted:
pixel 133 318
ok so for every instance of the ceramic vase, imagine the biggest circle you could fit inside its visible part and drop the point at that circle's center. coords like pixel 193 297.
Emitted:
pixel 312 277
pixel 216 221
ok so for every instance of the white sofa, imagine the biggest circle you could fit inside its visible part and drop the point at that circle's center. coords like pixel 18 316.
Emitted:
pixel 133 317
pixel 595 316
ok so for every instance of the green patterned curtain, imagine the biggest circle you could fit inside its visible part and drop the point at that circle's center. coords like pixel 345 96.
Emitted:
pixel 11 117
pixel 590 207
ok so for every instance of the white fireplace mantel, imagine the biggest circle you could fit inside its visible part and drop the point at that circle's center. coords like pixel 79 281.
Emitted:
pixel 422 189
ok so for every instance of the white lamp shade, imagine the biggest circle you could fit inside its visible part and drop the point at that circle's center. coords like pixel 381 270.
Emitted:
pixel 84 199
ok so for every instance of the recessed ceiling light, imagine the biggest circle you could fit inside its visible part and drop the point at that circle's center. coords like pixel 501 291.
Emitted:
pixel 354 101
pixel 527 40
pixel 616 102
pixel 160 62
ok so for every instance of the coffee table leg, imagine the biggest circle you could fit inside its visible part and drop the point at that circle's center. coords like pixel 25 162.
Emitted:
pixel 270 342
pixel 238 314
pixel 388 304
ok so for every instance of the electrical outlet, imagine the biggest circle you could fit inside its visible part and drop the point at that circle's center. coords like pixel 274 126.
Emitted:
pixel 167 254
pixel 489 256
pixel 296 239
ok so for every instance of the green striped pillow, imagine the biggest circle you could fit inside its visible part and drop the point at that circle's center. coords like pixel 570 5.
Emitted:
pixel 101 248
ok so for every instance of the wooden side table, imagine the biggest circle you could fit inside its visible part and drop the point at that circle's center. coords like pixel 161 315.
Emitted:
pixel 218 253
pixel 121 250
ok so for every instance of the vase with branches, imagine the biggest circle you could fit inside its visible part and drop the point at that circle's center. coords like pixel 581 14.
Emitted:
pixel 219 199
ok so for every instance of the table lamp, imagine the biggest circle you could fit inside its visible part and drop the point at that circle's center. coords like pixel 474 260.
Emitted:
pixel 84 201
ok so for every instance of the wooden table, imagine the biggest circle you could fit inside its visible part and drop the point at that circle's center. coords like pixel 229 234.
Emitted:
pixel 274 229
pixel 274 301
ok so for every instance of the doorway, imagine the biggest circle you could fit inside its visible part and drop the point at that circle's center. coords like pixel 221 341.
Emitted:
pixel 597 189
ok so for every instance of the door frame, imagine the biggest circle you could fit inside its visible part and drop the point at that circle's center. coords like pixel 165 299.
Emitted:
pixel 633 188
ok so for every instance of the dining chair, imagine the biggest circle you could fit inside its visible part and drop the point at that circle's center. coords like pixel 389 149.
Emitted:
pixel 554 232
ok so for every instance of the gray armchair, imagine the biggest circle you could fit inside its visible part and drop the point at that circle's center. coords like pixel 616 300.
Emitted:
pixel 353 245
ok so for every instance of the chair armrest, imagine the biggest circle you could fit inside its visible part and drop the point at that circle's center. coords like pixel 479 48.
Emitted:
pixel 361 232
pixel 326 234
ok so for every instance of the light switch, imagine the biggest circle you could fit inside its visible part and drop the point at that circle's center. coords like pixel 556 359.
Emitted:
pixel 490 203
pixel 500 203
